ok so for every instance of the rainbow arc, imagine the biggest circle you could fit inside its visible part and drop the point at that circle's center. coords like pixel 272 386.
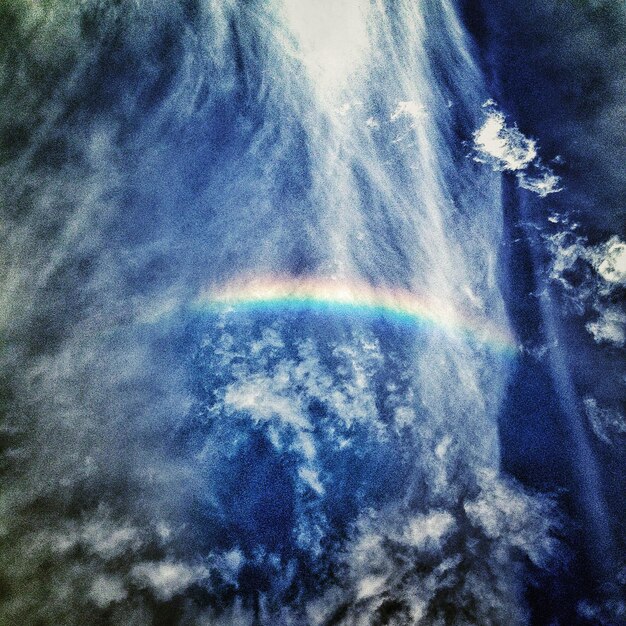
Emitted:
pixel 350 297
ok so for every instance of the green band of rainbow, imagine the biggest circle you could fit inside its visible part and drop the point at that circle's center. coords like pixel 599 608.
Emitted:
pixel 270 293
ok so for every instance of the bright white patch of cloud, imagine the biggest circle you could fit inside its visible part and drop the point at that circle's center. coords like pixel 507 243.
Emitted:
pixel 428 529
pixel 230 563
pixel 404 416
pixel 109 541
pixel 503 146
pixel 163 531
pixel 609 260
pixel 329 51
pixel 261 397
pixel 408 108
pixel 370 586
pixel 506 148
pixel 609 326
pixel 311 477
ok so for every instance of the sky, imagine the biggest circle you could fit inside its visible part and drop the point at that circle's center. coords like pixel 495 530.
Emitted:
pixel 312 313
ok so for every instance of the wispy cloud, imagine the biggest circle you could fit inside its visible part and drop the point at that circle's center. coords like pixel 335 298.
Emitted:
pixel 592 277
pixel 608 424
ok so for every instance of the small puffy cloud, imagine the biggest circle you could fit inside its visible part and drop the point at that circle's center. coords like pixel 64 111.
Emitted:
pixel 507 149
pixel 370 586
pixel 261 397
pixel 270 341
pixel 543 184
pixel 168 578
pixel 229 564
pixel 106 590
pixel 592 277
pixel 410 109
pixel 108 540
pixel 609 326
pixel 430 529
pixel 609 260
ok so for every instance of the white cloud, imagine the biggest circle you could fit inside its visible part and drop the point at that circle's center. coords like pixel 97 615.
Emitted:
pixel 270 340
pixel 328 51
pixel 106 590
pixel 408 108
pixel 265 398
pixel 590 277
pixel 108 540
pixel 505 148
pixel 543 184
pixel 408 560
pixel 274 391
pixel 229 564
pixel 609 326
pixel 505 512
pixel 609 260
pixel 311 478
pixel 168 578
pixel 424 530
pixel 278 391
pixel 370 586
pixel 99 534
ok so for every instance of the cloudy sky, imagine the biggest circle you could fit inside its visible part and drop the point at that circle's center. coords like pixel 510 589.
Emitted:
pixel 312 312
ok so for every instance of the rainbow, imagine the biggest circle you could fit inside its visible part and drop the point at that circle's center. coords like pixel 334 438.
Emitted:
pixel 352 298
